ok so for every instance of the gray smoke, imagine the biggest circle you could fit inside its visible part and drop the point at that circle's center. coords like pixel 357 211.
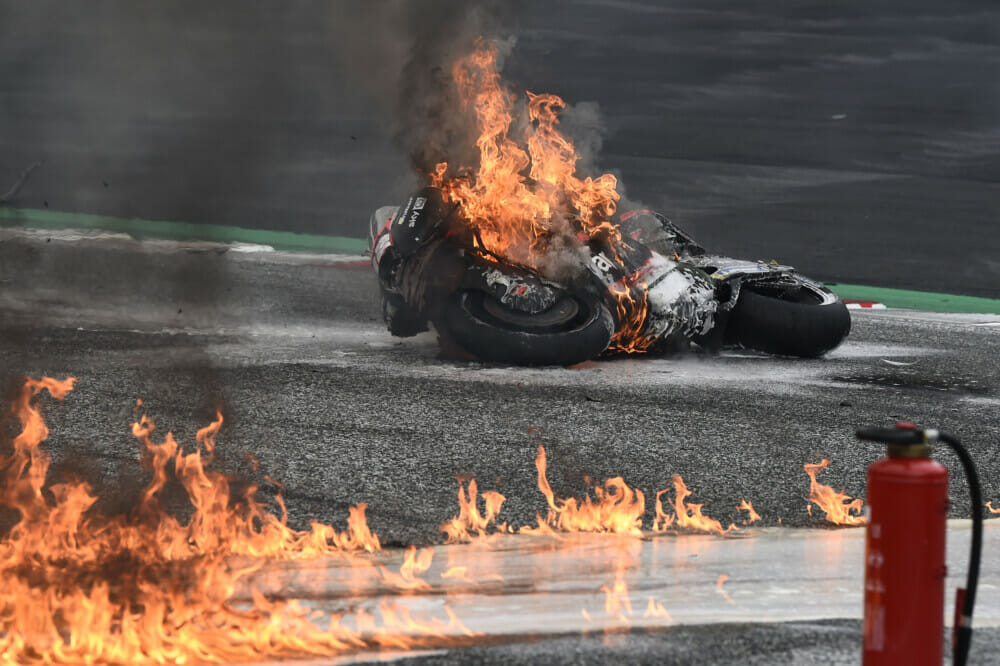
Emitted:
pixel 245 114
pixel 153 109
pixel 230 112
pixel 409 72
pixel 410 76
pixel 583 123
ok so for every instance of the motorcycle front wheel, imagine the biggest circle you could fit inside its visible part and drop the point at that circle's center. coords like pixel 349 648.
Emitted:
pixel 807 321
pixel 571 331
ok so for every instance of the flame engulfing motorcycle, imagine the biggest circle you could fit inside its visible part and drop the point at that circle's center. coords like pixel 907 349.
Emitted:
pixel 644 285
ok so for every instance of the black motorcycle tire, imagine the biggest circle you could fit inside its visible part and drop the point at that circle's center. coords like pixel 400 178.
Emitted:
pixel 473 325
pixel 806 324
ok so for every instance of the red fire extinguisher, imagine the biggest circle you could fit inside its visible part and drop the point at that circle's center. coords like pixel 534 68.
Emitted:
pixel 905 551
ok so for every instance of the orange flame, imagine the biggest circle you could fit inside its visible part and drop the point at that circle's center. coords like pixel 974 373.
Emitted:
pixel 662 521
pixel 524 198
pixel 26 468
pixel 408 576
pixel 469 517
pixel 525 187
pixel 617 603
pixel 216 525
pixel 82 587
pixel 752 515
pixel 632 306
pixel 685 516
pixel 615 508
pixel 837 506
pixel 655 609
pixel 718 586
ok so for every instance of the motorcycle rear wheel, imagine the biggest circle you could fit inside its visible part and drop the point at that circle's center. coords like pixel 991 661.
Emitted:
pixel 573 330
pixel 805 322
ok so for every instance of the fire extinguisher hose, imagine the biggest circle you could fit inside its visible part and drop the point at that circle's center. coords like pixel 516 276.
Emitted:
pixel 963 630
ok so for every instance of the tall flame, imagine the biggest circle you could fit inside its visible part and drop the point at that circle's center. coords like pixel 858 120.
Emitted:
pixel 615 507
pixel 247 528
pixel 525 186
pixel 469 518
pixel 752 515
pixel 82 587
pixel 686 516
pixel 837 506
pixel 525 202
pixel 631 308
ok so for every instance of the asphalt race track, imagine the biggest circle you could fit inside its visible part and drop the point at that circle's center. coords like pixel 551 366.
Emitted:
pixel 312 386
pixel 860 144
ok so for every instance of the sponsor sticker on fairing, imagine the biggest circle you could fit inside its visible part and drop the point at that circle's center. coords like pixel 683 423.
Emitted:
pixel 602 267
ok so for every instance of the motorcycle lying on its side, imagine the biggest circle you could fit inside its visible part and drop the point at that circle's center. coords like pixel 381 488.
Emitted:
pixel 645 286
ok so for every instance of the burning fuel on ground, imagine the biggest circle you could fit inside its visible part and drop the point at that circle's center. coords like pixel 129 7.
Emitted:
pixel 840 509
pixel 81 586
pixel 147 587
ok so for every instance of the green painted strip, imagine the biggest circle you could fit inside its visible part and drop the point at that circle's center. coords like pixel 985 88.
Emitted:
pixel 139 229
pixel 294 242
pixel 918 300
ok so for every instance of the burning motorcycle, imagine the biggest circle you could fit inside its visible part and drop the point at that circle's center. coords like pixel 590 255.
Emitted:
pixel 640 284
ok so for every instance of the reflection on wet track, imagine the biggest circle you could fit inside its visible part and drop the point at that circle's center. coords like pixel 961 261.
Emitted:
pixel 516 585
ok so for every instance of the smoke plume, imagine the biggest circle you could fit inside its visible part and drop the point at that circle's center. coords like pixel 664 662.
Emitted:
pixel 407 70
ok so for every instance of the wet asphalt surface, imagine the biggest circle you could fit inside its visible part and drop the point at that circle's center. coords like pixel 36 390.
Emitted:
pixel 313 387
pixel 830 642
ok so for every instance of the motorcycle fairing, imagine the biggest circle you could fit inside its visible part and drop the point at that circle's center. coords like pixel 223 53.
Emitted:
pixel 735 273
pixel 386 259
pixel 612 264
pixel 658 233
pixel 681 299
pixel 733 270
pixel 416 220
